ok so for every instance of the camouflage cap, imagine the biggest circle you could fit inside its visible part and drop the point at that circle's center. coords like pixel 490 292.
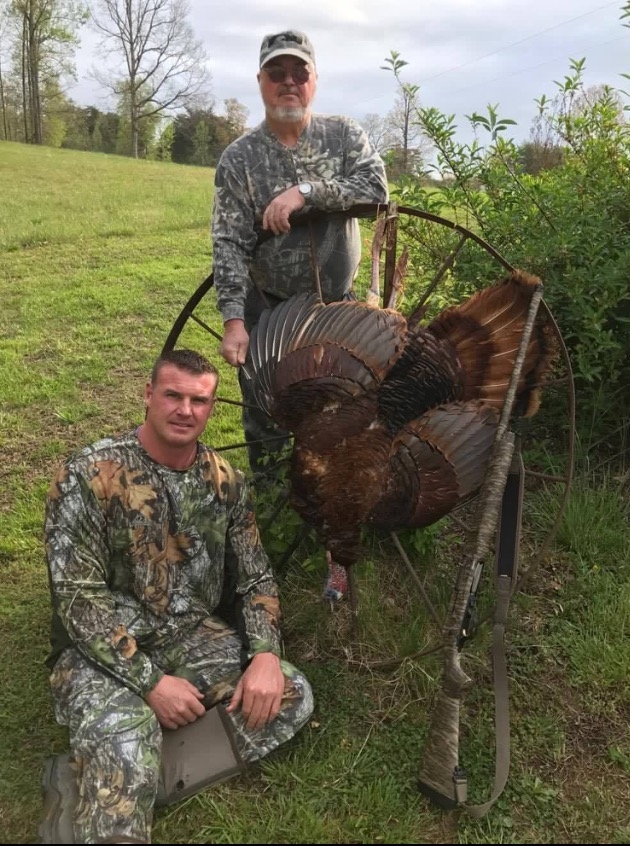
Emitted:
pixel 289 43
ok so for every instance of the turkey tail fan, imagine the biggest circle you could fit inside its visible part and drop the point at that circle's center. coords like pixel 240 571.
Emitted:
pixel 427 374
pixel 346 349
pixel 437 463
pixel 259 357
pixel 269 339
pixel 373 335
pixel 485 332
pixel 308 356
pixel 291 318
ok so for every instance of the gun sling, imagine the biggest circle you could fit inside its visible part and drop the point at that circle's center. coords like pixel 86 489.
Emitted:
pixel 448 788
pixel 506 571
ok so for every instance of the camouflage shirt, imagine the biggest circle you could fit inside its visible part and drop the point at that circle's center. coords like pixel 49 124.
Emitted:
pixel 336 157
pixel 137 555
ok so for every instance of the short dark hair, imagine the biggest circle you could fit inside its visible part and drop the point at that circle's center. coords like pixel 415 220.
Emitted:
pixel 189 360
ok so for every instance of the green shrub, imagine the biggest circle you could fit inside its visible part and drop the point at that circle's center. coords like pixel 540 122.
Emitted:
pixel 568 223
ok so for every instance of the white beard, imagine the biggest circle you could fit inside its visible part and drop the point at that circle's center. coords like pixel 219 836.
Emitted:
pixel 287 114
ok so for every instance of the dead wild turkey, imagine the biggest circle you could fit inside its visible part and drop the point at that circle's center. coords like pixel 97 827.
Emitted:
pixel 393 423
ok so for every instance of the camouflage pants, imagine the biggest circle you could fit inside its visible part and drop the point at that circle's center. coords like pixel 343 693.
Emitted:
pixel 116 739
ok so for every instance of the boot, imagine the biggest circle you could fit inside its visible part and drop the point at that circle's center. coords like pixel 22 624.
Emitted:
pixel 60 795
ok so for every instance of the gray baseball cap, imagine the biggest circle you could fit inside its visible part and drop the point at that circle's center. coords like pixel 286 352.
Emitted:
pixel 289 43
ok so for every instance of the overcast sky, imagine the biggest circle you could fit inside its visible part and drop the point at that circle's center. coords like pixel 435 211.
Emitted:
pixel 463 54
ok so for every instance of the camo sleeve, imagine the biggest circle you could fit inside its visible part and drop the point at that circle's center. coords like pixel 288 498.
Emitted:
pixel 76 550
pixel 234 234
pixel 362 178
pixel 256 584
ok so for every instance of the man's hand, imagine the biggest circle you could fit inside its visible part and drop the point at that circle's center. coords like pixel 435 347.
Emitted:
pixel 276 216
pixel 176 702
pixel 235 342
pixel 259 691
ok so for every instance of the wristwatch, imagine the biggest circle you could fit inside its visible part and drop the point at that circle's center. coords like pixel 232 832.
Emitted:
pixel 305 189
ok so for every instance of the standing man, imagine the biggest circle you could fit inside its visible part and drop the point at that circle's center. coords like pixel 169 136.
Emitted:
pixel 293 160
pixel 143 533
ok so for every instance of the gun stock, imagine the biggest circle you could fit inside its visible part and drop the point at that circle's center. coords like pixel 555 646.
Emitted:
pixel 441 779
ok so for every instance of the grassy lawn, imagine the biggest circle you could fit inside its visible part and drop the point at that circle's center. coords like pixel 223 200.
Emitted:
pixel 98 255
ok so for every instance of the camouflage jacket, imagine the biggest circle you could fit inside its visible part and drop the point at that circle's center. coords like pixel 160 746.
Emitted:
pixel 336 157
pixel 138 554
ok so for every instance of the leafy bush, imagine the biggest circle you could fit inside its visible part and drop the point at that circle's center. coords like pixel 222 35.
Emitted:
pixel 568 223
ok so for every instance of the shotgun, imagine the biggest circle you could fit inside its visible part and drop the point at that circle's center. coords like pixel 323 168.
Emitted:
pixel 441 777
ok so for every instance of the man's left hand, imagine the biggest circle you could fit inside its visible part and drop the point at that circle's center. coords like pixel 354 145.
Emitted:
pixel 276 216
pixel 259 691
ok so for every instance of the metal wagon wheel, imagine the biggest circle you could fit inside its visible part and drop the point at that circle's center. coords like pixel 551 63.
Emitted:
pixel 413 255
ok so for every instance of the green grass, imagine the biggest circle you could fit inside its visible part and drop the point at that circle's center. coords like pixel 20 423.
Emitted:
pixel 109 197
pixel 98 255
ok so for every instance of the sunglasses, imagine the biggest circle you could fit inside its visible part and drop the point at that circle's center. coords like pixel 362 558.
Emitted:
pixel 299 74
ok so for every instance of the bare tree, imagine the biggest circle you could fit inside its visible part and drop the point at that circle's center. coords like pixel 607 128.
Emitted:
pixel 589 97
pixel 160 66
pixel 377 130
pixel 548 142
pixel 3 98
pixel 407 143
pixel 236 115
pixel 47 38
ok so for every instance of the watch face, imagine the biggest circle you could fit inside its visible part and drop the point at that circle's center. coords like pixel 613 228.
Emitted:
pixel 305 187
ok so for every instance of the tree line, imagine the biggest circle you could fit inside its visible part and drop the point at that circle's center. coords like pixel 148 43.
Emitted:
pixel 154 71
pixel 152 67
